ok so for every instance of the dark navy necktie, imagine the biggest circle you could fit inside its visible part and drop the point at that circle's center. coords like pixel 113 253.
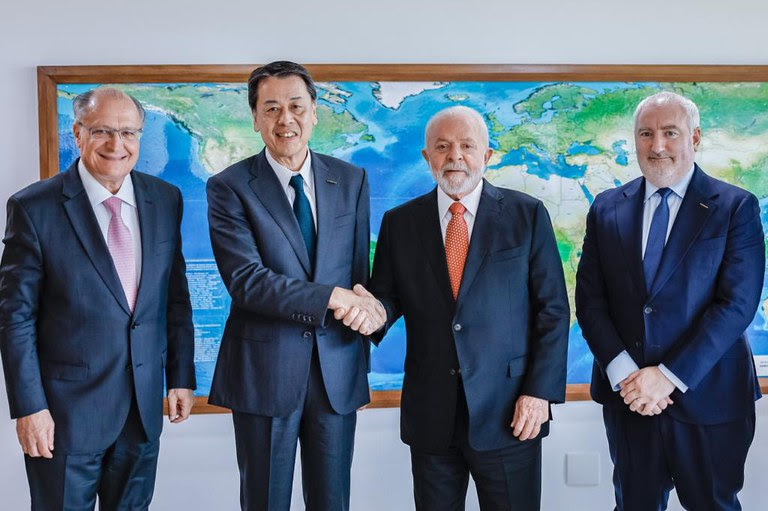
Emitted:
pixel 303 214
pixel 657 237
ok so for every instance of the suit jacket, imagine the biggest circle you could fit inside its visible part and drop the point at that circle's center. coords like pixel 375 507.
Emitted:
pixel 704 296
pixel 68 338
pixel 507 332
pixel 279 303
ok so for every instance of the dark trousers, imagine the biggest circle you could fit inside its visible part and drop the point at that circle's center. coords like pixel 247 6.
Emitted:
pixel 123 475
pixel 506 479
pixel 651 455
pixel 266 453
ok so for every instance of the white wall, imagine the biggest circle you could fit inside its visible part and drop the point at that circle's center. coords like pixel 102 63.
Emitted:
pixel 197 467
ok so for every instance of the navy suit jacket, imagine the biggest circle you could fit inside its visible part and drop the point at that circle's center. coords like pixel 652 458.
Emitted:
pixel 69 340
pixel 507 331
pixel 704 296
pixel 279 304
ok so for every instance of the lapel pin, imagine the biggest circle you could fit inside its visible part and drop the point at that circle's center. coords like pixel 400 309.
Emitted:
pixel 703 205
pixel 331 181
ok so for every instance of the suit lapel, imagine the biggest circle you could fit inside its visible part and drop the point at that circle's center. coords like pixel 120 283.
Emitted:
pixel 148 224
pixel 267 188
pixel 326 184
pixel 83 220
pixel 427 232
pixel 694 211
pixel 487 222
pixel 629 225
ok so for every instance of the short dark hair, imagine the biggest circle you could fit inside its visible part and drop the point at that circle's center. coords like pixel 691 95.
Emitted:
pixel 278 69
pixel 84 103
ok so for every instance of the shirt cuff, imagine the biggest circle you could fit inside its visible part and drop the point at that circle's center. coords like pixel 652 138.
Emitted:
pixel 682 387
pixel 619 368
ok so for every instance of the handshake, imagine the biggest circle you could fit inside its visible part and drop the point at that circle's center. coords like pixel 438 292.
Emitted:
pixel 358 309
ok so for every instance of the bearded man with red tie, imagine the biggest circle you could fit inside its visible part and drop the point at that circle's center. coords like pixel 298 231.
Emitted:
pixel 476 273
pixel 94 313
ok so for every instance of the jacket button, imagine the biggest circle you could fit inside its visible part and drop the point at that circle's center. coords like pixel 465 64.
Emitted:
pixel 307 334
pixel 453 372
pixel 457 327
pixel 638 344
pixel 648 309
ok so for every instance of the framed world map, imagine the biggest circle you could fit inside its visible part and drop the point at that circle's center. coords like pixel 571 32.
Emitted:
pixel 560 133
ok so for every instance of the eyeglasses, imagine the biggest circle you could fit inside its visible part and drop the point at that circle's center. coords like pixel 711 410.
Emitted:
pixel 102 133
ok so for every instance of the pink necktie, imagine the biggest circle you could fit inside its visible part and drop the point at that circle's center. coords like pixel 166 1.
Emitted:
pixel 456 246
pixel 120 244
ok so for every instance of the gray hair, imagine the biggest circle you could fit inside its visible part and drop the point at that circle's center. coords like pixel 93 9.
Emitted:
pixel 689 107
pixel 457 111
pixel 86 102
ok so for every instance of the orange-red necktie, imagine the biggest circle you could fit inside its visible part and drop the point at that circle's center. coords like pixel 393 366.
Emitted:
pixel 456 245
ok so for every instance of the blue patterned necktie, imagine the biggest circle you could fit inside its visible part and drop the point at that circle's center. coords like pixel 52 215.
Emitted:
pixel 303 214
pixel 657 238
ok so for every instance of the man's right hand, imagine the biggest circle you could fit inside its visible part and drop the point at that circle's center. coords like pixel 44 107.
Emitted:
pixel 35 434
pixel 358 309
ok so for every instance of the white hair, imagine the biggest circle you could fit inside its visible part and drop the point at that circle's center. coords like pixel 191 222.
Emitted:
pixel 458 111
pixel 689 107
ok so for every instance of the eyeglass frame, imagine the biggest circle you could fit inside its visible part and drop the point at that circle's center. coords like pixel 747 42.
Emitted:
pixel 112 131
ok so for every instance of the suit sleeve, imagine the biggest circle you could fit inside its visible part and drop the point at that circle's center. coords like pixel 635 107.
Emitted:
pixel 592 309
pixel 735 300
pixel 361 260
pixel 21 279
pixel 550 315
pixel 383 282
pixel 252 285
pixel 180 366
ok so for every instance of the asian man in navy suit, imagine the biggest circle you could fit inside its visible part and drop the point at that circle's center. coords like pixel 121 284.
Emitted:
pixel 476 273
pixel 669 279
pixel 290 234
pixel 94 312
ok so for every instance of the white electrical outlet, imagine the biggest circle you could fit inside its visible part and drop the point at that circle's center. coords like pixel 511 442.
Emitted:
pixel 582 468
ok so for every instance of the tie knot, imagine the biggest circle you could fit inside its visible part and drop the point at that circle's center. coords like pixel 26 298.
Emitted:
pixel 457 208
pixel 113 205
pixel 297 183
pixel 664 192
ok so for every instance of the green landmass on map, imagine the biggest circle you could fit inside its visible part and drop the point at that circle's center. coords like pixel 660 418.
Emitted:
pixel 218 116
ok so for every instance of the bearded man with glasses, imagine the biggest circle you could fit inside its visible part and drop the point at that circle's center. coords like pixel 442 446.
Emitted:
pixel 94 312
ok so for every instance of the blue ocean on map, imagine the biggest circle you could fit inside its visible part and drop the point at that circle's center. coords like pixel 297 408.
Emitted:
pixel 397 173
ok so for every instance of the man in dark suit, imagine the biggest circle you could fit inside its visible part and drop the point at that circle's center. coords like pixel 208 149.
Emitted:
pixel 94 311
pixel 290 235
pixel 669 279
pixel 476 273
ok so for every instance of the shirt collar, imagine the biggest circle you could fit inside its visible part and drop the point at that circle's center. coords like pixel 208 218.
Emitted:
pixel 284 174
pixel 97 193
pixel 679 188
pixel 471 201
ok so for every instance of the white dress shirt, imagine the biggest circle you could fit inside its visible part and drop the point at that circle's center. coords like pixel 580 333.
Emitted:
pixel 623 365
pixel 97 194
pixel 470 201
pixel 284 175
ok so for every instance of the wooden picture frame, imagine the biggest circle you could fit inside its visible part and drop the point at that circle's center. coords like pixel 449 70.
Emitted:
pixel 49 77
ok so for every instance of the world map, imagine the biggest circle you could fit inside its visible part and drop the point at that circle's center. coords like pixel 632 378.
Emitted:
pixel 561 142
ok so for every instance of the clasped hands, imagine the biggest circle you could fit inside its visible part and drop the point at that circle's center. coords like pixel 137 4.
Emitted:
pixel 647 391
pixel 358 309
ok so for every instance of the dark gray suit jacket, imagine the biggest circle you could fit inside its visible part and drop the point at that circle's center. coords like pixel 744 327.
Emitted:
pixel 505 335
pixel 279 304
pixel 68 338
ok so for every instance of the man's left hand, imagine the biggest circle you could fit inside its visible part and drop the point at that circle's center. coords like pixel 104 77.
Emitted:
pixel 530 413
pixel 180 403
pixel 645 388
